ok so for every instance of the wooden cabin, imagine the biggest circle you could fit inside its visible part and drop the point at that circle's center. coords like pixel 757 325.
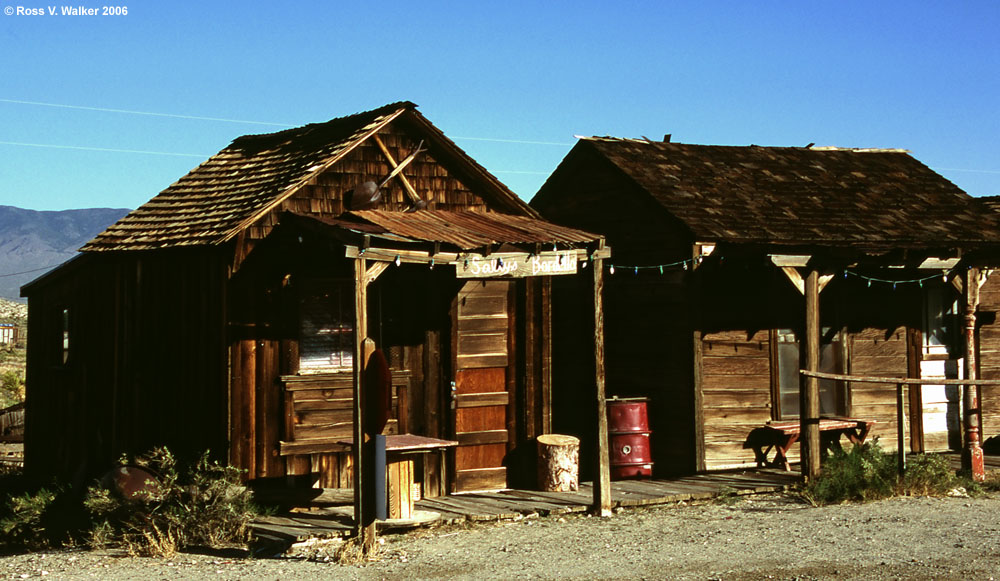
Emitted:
pixel 704 297
pixel 229 311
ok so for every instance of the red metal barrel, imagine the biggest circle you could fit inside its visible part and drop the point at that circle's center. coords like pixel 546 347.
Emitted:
pixel 628 429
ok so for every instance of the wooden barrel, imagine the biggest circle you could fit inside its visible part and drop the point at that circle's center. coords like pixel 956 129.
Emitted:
pixel 558 463
pixel 628 430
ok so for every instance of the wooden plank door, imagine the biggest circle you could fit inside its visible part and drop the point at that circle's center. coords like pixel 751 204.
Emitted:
pixel 480 396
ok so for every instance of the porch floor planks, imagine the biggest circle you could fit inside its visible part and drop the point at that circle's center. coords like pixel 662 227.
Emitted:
pixel 449 513
pixel 298 529
pixel 471 509
pixel 513 504
pixel 550 504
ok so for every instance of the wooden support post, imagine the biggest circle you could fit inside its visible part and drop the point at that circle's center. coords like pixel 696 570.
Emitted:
pixel 602 480
pixel 364 493
pixel 900 431
pixel 809 389
pixel 972 455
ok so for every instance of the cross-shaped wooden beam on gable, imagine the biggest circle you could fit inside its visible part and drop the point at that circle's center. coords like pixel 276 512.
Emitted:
pixel 398 168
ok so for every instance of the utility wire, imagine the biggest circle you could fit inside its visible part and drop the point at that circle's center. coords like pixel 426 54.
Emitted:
pixel 284 125
pixel 151 114
pixel 105 149
pixel 29 271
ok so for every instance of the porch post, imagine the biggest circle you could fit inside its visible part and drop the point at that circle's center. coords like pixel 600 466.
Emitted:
pixel 363 459
pixel 602 481
pixel 809 389
pixel 972 455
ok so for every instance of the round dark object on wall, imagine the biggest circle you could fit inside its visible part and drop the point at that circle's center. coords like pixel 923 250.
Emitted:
pixel 131 482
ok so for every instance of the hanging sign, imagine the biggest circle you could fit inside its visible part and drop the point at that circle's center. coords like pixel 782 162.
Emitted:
pixel 516 265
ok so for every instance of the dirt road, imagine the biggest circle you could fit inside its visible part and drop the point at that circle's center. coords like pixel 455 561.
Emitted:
pixel 770 537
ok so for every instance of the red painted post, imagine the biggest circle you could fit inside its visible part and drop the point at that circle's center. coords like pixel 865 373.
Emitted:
pixel 972 455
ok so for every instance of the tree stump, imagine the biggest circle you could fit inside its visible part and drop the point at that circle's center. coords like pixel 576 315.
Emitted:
pixel 558 463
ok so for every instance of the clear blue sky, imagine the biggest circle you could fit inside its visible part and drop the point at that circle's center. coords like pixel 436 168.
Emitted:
pixel 924 76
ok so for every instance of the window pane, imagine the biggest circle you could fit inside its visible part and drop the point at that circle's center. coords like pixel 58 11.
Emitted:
pixel 788 378
pixel 327 327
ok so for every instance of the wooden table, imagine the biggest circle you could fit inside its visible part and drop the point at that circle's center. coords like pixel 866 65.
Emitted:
pixel 399 451
pixel 782 435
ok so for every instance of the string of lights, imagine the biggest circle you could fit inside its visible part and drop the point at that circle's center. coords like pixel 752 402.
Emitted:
pixel 689 263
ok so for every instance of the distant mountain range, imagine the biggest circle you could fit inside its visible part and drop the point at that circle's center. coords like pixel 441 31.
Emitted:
pixel 33 242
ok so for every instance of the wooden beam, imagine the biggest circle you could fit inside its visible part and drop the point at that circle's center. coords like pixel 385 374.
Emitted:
pixel 972 454
pixel 410 190
pixel 796 279
pixel 697 354
pixel 602 481
pixel 374 271
pixel 809 394
pixel 914 342
pixel 546 355
pixel 364 493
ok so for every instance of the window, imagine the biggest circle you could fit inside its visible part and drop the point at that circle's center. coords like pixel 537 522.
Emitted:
pixel 65 336
pixel 788 358
pixel 942 321
pixel 326 326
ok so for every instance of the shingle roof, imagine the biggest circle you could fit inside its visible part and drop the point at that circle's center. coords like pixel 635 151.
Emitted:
pixel 795 195
pixel 212 201
pixel 254 174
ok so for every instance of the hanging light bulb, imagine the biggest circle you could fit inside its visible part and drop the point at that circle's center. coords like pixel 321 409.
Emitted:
pixel 636 270
pixel 397 260
pixel 612 270
pixel 661 269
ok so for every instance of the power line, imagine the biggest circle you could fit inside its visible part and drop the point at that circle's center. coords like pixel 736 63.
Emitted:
pixel 104 149
pixel 284 125
pixel 149 113
pixel 29 271
pixel 966 170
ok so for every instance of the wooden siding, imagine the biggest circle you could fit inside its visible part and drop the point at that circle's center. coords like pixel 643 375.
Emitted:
pixel 989 354
pixel 736 393
pixel 129 384
pixel 880 353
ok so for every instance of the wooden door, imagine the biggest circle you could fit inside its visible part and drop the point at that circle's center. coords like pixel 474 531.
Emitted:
pixel 480 395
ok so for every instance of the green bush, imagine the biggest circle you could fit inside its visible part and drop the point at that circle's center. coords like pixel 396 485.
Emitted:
pixel 23 521
pixel 204 504
pixel 867 473
pixel 11 387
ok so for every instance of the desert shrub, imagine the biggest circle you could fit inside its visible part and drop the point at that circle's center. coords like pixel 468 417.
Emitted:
pixel 23 520
pixel 11 387
pixel 863 473
pixel 928 475
pixel 867 472
pixel 201 504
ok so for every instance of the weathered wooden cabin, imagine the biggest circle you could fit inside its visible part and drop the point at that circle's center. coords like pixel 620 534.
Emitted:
pixel 222 313
pixel 704 299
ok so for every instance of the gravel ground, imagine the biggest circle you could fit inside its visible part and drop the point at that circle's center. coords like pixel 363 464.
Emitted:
pixel 762 537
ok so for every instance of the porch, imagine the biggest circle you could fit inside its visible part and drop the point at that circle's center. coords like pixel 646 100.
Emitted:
pixel 334 519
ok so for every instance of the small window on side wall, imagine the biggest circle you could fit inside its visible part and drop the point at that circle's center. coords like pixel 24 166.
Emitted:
pixel 326 326
pixel 65 336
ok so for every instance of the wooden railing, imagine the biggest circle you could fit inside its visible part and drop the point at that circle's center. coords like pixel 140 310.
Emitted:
pixel 899 382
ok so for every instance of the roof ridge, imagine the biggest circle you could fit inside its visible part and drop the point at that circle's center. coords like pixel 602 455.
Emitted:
pixel 645 140
pixel 253 137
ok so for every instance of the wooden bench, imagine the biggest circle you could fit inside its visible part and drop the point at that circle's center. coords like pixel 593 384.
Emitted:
pixel 780 436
